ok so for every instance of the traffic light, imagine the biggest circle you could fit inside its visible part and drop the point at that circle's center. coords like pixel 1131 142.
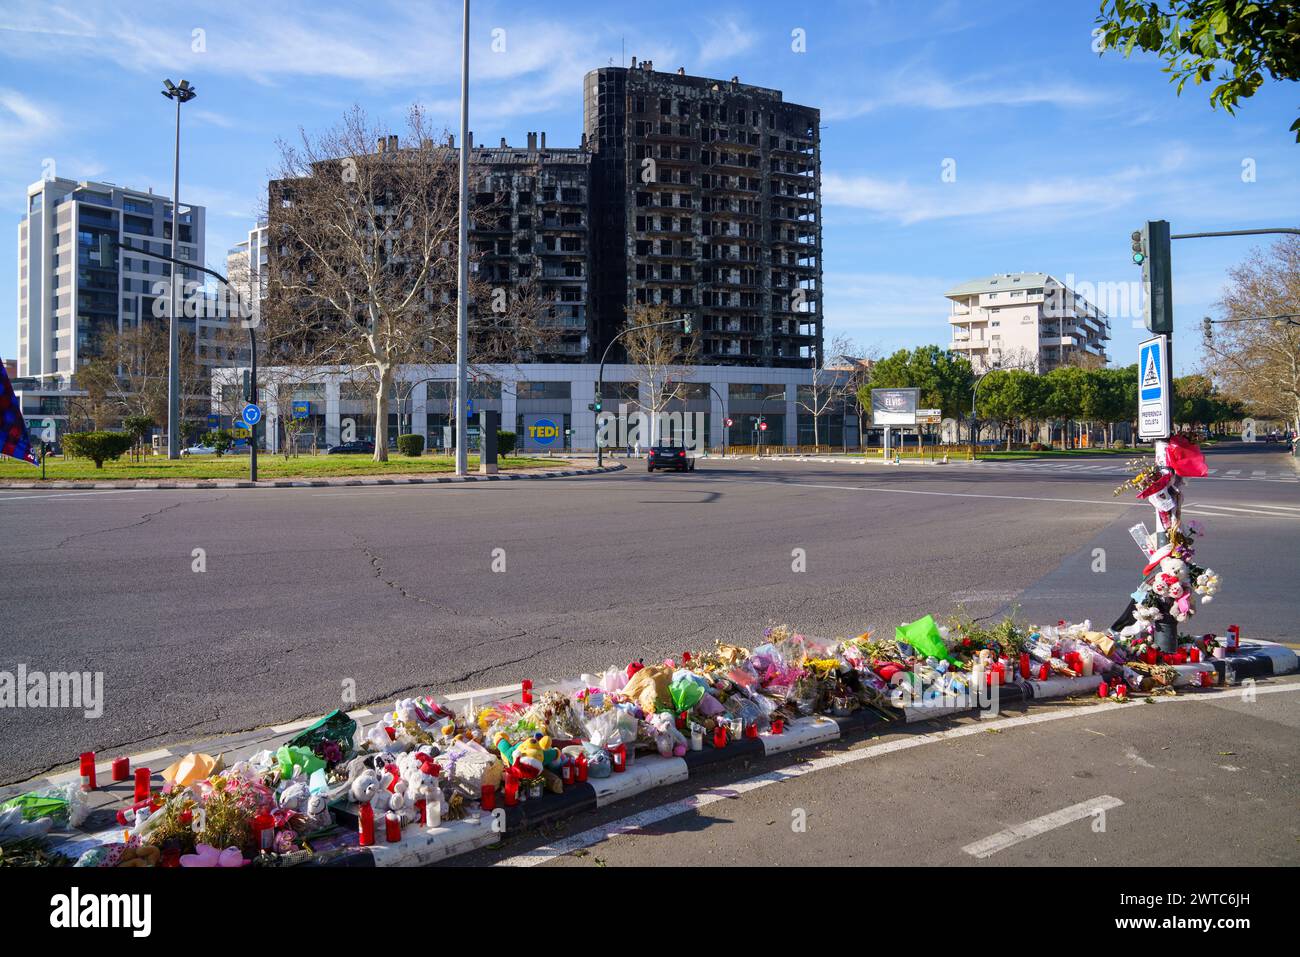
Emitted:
pixel 1207 329
pixel 1151 252
pixel 595 406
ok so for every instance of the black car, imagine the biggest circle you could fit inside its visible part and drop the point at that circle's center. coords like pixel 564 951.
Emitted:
pixel 669 457
pixel 352 448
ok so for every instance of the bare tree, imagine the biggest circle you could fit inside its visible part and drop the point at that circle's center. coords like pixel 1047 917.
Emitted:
pixel 1258 362
pixel 830 388
pixel 661 353
pixel 363 234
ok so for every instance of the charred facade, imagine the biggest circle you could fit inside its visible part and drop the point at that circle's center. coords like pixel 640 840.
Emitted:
pixel 707 197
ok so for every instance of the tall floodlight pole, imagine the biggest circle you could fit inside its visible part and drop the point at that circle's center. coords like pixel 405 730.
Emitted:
pixel 181 94
pixel 462 267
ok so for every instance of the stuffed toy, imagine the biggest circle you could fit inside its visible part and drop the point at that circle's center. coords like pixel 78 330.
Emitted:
pixel 420 775
pixel 668 740
pixel 205 855
pixel 527 759
pixel 648 687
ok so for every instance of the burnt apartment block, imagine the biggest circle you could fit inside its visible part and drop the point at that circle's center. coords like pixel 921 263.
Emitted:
pixel 530 226
pixel 706 195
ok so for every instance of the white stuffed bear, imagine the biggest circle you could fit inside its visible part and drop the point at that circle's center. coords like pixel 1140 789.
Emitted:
pixel 668 739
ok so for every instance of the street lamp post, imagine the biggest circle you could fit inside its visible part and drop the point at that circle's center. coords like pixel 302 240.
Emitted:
pixel 462 266
pixel 600 378
pixel 975 389
pixel 252 349
pixel 181 94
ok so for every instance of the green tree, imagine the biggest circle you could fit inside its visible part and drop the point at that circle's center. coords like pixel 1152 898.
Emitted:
pixel 99 447
pixel 220 439
pixel 137 426
pixel 943 377
pixel 1242 39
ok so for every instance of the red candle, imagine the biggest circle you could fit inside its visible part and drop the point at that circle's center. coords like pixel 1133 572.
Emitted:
pixel 126 816
pixel 141 784
pixel 526 690
pixel 488 797
pixel 566 773
pixel 1024 664
pixel 121 769
pixel 1043 672
pixel 618 757
pixel 512 791
pixel 1103 690
pixel 422 809
pixel 392 828
pixel 681 721
pixel 719 737
pixel 1121 691
pixel 366 826
pixel 1234 633
pixel 88 771
pixel 778 726
pixel 751 731
pixel 1151 656
pixel 264 831
pixel 1195 654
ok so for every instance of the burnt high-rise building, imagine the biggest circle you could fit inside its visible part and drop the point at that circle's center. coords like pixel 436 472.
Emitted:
pixel 706 196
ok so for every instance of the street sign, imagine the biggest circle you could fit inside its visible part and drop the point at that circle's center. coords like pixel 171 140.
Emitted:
pixel 251 414
pixel 302 410
pixel 729 422
pixel 762 426
pixel 894 406
pixel 1153 388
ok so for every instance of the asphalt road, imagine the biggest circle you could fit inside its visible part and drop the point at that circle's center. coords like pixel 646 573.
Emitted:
pixel 392 590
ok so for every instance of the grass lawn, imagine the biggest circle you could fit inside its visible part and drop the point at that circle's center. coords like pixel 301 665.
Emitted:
pixel 236 467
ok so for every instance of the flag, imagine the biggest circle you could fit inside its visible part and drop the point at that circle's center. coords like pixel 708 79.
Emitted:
pixel 14 440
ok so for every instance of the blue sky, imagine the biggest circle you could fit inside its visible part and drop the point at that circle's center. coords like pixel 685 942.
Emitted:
pixel 1058 154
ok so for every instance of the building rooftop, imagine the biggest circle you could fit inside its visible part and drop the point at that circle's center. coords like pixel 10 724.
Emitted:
pixel 999 282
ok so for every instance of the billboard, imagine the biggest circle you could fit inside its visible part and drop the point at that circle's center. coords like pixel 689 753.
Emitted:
pixel 894 406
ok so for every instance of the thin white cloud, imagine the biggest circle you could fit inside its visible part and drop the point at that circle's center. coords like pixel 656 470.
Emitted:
pixel 915 88
pixel 23 121
pixel 907 202
pixel 722 39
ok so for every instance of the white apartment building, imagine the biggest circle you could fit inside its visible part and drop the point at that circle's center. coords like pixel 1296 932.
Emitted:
pixel 75 285
pixel 221 338
pixel 1026 320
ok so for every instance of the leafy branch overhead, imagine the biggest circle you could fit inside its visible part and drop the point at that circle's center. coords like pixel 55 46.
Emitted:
pixel 1242 40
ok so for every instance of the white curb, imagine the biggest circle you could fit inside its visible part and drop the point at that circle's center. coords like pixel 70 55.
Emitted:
pixel 642 775
pixel 421 846
pixel 800 733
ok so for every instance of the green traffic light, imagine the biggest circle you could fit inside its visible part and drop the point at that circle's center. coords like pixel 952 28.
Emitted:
pixel 1139 258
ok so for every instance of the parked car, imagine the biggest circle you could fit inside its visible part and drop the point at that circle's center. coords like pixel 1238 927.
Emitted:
pixel 352 448
pixel 669 457
pixel 198 450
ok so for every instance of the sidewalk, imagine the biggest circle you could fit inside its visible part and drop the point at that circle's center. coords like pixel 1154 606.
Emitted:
pixel 431 479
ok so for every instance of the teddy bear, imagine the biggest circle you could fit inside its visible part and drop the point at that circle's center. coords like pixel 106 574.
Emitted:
pixel 528 758
pixel 668 740
pixel 419 782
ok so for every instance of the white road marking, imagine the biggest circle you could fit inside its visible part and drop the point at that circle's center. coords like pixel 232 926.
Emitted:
pixel 103 491
pixel 912 491
pixel 1040 825
pixel 695 802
